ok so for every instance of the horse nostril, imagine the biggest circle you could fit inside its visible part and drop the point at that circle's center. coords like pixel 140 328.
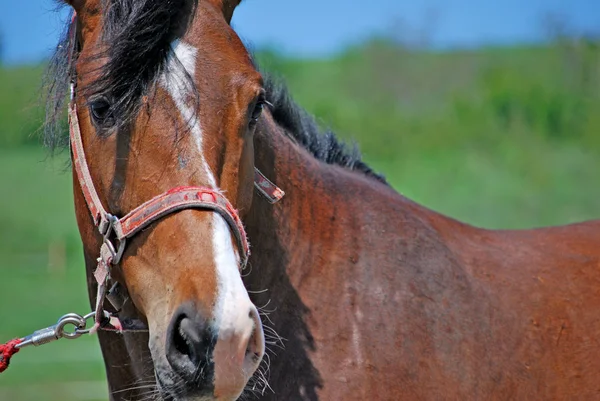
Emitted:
pixel 189 346
pixel 184 338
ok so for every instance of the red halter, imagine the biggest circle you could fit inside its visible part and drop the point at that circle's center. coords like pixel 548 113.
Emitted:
pixel 119 230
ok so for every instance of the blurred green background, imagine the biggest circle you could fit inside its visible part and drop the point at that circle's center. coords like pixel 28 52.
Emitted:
pixel 501 137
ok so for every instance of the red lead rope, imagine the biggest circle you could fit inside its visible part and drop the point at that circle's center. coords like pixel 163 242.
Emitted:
pixel 6 352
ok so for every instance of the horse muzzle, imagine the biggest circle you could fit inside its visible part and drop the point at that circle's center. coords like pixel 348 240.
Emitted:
pixel 207 360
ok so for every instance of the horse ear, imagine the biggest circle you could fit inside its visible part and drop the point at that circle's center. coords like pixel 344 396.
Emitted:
pixel 227 6
pixel 76 4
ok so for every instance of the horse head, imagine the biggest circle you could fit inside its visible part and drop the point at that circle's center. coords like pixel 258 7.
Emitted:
pixel 167 97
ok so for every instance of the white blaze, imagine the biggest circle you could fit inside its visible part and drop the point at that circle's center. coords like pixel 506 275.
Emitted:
pixel 181 66
pixel 233 303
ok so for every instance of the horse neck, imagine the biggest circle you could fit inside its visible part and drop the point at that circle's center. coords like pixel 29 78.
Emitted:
pixel 279 233
pixel 285 241
pixel 290 238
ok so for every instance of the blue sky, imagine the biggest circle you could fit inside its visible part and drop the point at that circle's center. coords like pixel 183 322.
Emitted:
pixel 30 28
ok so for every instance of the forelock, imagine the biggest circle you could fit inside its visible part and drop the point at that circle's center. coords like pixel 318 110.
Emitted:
pixel 137 36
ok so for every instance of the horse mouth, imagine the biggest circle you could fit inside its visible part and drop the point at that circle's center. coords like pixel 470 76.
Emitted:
pixel 165 395
pixel 197 360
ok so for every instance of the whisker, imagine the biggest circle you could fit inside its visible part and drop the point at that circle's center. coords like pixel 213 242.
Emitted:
pixel 257 291
pixel 247 270
pixel 262 308
pixel 134 388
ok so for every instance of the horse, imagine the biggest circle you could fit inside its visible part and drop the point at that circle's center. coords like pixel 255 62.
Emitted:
pixel 351 290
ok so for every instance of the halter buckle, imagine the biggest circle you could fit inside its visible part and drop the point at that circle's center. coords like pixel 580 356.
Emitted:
pixel 115 252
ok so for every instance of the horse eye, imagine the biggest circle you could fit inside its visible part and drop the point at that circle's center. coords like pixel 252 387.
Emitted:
pixel 258 109
pixel 100 110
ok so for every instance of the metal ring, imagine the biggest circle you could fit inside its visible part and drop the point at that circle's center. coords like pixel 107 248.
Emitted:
pixel 73 319
pixel 111 249
pixel 111 221
pixel 115 251
pixel 84 330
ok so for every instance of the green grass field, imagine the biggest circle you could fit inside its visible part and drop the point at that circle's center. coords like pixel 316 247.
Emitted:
pixel 37 221
pixel 502 138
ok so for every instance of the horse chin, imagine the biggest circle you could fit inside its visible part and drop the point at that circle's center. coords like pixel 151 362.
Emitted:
pixel 166 385
pixel 168 390
pixel 171 387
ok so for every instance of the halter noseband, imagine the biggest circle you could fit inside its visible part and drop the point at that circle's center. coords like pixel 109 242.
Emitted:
pixel 117 229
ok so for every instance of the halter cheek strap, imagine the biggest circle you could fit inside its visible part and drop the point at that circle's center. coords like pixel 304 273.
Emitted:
pixel 116 231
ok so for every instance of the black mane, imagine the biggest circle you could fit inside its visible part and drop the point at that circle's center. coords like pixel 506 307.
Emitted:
pixel 303 128
pixel 139 34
